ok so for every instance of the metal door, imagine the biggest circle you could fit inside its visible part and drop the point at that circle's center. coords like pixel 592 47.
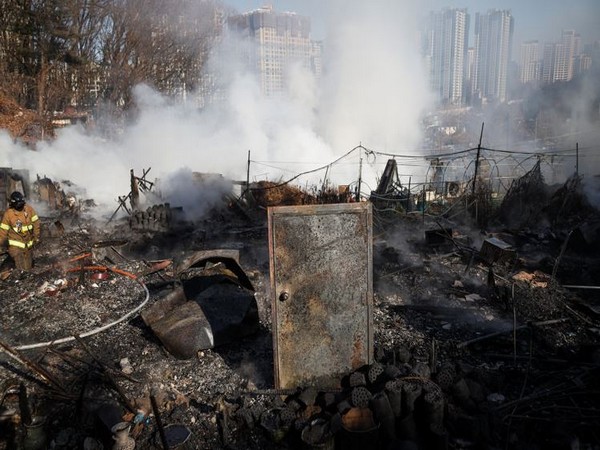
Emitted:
pixel 321 292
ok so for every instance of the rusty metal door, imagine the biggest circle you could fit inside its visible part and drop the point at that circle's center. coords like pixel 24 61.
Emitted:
pixel 321 292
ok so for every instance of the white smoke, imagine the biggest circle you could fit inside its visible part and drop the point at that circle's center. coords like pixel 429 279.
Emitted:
pixel 375 88
pixel 196 194
pixel 372 92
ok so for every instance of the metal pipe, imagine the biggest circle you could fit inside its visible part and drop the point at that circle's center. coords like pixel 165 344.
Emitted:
pixel 93 331
pixel 572 286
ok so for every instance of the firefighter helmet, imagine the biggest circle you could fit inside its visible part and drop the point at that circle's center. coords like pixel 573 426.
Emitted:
pixel 17 201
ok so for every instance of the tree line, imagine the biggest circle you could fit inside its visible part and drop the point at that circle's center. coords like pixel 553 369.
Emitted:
pixel 86 53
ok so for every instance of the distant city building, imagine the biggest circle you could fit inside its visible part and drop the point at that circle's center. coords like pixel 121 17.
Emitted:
pixel 571 42
pixel 316 58
pixel 493 42
pixel 529 67
pixel 280 39
pixel 593 51
pixel 470 63
pixel 559 58
pixel 552 62
pixel 469 74
pixel 446 46
pixel 582 63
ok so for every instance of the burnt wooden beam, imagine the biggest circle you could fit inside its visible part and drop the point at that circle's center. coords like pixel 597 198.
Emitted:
pixel 32 365
pixel 159 425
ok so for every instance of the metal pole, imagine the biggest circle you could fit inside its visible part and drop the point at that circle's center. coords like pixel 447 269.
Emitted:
pixel 248 173
pixel 477 160
pixel 423 204
pixel 577 159
pixel 512 296
pixel 324 186
pixel 507 131
pixel 359 181
pixel 409 202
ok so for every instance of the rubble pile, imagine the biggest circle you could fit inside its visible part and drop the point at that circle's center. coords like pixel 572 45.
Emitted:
pixel 267 193
pixel 67 303
pixel 471 350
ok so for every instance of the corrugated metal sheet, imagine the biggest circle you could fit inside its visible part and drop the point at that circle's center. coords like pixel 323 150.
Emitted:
pixel 322 292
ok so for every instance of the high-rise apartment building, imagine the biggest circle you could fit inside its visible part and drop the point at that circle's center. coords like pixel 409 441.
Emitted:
pixel 571 42
pixel 593 51
pixel 469 74
pixel 279 40
pixel 316 58
pixel 470 63
pixel 551 61
pixel 582 64
pixel 559 59
pixel 529 62
pixel 446 45
pixel 493 42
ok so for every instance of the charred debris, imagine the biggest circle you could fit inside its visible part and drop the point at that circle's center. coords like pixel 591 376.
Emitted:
pixel 151 330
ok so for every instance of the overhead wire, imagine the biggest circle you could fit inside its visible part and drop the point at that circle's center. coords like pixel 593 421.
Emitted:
pixel 283 183
pixel 412 160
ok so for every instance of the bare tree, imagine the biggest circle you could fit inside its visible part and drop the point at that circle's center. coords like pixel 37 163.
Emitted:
pixel 59 52
pixel 163 43
pixel 38 42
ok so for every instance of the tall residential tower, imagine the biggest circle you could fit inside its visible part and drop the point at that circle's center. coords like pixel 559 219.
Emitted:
pixel 280 39
pixel 493 42
pixel 446 45
pixel 559 58
pixel 530 62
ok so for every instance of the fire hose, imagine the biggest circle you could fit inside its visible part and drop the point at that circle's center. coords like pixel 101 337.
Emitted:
pixel 103 327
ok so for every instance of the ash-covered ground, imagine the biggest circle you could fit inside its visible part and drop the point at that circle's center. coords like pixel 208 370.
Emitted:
pixel 466 357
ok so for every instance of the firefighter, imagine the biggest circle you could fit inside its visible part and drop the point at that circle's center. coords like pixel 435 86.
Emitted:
pixel 21 227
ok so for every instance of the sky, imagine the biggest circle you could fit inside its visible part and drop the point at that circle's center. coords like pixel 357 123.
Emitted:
pixel 534 20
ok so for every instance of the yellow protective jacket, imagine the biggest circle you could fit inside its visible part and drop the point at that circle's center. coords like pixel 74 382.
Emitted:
pixel 22 228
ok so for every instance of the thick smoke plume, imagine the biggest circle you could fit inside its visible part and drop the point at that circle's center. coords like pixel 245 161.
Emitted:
pixel 372 92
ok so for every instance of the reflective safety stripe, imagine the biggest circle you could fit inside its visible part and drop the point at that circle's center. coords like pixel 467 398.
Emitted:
pixel 34 218
pixel 24 228
pixel 20 244
pixel 4 226
pixel 16 243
